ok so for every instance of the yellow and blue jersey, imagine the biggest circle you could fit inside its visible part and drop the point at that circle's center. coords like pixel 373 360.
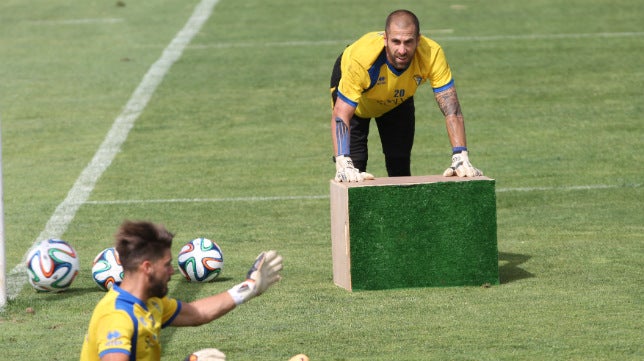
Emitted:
pixel 374 87
pixel 125 324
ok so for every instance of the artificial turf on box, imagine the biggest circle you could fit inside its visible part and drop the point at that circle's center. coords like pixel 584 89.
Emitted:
pixel 426 231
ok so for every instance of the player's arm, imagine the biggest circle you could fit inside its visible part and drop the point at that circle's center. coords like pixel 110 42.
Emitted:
pixel 448 103
pixel 264 272
pixel 204 310
pixel 341 127
pixel 341 134
pixel 451 108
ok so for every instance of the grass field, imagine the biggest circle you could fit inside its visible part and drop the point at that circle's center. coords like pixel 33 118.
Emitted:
pixel 234 145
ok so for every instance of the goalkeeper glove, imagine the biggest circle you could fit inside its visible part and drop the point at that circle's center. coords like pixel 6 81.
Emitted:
pixel 263 274
pixel 461 167
pixel 346 172
pixel 207 354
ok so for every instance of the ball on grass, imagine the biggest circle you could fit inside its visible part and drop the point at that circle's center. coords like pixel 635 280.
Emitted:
pixel 107 269
pixel 52 265
pixel 200 260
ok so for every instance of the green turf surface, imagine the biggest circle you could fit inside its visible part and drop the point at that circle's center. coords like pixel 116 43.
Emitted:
pixel 551 93
pixel 430 234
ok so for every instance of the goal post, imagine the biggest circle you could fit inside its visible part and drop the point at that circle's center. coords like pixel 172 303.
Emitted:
pixel 3 264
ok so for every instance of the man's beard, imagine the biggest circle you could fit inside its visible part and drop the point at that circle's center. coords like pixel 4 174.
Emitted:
pixel 158 287
pixel 393 60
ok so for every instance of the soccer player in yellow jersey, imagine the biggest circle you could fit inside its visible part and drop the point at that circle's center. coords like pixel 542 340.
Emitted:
pixel 126 323
pixel 377 77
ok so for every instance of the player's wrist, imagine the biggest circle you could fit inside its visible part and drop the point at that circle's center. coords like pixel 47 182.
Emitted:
pixel 339 156
pixel 242 292
pixel 459 149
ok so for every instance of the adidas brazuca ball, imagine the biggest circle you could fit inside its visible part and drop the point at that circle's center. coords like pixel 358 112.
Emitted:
pixel 200 260
pixel 107 269
pixel 52 265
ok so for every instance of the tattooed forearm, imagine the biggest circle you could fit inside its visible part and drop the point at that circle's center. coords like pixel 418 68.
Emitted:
pixel 449 105
pixel 448 102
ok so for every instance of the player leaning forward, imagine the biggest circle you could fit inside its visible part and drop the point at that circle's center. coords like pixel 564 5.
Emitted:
pixel 126 323
pixel 377 77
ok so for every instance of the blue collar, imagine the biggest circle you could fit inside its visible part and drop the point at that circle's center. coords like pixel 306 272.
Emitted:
pixel 393 69
pixel 128 297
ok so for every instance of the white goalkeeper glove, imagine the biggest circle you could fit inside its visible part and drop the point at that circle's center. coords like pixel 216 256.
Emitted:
pixel 346 172
pixel 461 167
pixel 207 354
pixel 263 274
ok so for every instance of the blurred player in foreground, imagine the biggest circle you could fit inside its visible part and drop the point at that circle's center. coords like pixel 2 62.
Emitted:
pixel 127 322
pixel 377 77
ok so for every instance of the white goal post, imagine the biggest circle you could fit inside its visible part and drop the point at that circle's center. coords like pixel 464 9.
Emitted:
pixel 3 263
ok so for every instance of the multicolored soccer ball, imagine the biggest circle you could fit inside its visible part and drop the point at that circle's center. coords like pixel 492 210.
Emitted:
pixel 107 269
pixel 200 260
pixel 52 265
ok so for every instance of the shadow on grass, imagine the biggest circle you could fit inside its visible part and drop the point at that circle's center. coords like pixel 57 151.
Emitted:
pixel 71 292
pixel 509 270
pixel 185 292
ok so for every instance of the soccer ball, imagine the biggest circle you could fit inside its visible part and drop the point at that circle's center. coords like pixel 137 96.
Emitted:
pixel 107 269
pixel 200 260
pixel 52 265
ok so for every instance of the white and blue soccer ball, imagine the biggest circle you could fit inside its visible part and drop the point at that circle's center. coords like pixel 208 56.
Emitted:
pixel 200 260
pixel 107 269
pixel 52 265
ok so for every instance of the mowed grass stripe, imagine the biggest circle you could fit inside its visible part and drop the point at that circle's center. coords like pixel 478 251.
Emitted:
pixel 77 21
pixel 84 185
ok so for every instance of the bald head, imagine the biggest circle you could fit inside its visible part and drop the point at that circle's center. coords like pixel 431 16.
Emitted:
pixel 402 19
pixel 401 38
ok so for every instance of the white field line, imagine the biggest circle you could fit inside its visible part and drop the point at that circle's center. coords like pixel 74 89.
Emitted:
pixel 208 200
pixel 79 193
pixel 435 37
pixel 542 36
pixel 569 188
pixel 314 197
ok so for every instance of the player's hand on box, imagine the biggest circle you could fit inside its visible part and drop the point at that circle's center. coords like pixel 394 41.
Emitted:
pixel 207 354
pixel 346 172
pixel 264 273
pixel 461 167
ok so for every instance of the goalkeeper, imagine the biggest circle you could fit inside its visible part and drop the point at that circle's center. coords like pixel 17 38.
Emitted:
pixel 127 322
pixel 377 77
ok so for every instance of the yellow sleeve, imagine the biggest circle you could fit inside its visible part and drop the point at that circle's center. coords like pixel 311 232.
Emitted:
pixel 114 333
pixel 438 72
pixel 352 83
pixel 171 308
pixel 357 59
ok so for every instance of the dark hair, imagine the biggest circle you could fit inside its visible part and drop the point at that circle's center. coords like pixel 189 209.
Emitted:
pixel 140 241
pixel 402 14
